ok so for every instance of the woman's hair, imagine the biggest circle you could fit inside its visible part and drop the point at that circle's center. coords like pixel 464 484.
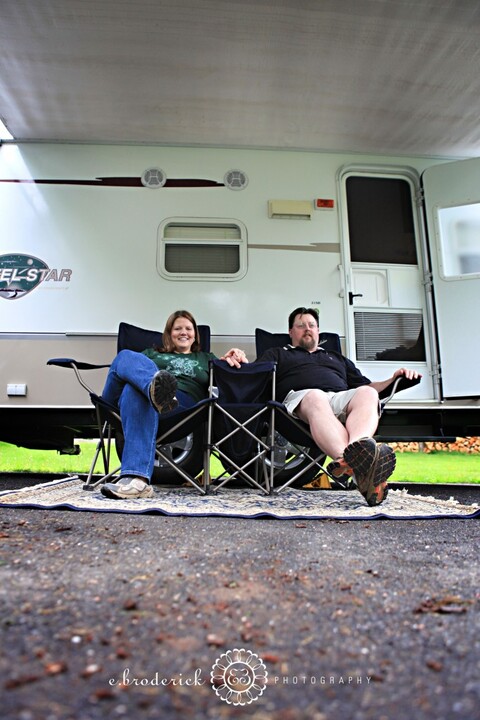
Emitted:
pixel 167 344
pixel 301 311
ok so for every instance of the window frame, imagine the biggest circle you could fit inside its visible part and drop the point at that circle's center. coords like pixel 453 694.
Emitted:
pixel 241 242
pixel 443 228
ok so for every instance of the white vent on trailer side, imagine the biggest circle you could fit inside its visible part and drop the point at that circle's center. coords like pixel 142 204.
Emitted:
pixel 154 178
pixel 290 209
pixel 235 180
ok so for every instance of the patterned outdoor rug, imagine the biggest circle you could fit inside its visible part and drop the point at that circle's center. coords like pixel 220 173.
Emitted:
pixel 67 493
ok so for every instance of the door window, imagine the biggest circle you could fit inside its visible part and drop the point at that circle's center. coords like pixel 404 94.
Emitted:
pixel 380 220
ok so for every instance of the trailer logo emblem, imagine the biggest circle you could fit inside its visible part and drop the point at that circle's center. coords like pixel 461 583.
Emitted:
pixel 20 274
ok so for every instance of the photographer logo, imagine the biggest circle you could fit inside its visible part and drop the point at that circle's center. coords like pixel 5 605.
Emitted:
pixel 239 677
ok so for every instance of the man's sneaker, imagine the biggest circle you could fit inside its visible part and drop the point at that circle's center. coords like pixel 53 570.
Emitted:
pixel 360 456
pixel 373 485
pixel 126 488
pixel 162 391
pixel 341 473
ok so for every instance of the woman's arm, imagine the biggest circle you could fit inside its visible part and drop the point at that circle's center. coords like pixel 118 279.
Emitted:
pixel 235 357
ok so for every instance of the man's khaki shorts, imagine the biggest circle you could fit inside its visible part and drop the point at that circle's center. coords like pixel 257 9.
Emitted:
pixel 338 401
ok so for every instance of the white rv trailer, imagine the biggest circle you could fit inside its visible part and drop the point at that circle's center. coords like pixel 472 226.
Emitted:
pixel 387 248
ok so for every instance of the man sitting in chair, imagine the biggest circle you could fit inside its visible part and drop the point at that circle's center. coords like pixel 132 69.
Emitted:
pixel 339 404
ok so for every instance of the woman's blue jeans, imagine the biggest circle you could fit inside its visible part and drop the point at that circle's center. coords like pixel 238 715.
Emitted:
pixel 128 388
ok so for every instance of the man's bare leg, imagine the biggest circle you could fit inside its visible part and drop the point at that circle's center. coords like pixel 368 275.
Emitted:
pixel 362 414
pixel 327 431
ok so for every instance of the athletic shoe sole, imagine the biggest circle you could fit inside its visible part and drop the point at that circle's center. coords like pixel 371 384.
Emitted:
pixel 360 456
pixel 373 486
pixel 341 473
pixel 162 391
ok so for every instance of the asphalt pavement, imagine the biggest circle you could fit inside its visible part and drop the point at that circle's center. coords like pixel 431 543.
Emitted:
pixel 122 616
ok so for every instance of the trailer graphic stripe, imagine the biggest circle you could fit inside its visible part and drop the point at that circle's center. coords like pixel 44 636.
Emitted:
pixel 119 182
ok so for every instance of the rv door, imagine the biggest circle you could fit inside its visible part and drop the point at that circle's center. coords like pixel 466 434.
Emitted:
pixel 388 314
pixel 452 206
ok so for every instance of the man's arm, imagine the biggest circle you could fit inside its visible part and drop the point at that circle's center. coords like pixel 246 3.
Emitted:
pixel 409 374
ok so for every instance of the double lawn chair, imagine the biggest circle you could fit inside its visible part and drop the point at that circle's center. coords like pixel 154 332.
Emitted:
pixel 240 424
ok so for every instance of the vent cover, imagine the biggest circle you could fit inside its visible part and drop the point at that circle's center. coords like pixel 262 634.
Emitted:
pixel 235 180
pixel 154 178
pixel 290 209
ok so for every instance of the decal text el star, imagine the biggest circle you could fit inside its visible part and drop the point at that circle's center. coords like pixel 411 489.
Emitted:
pixel 20 274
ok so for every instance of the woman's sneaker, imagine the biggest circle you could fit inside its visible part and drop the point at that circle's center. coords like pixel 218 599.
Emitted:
pixel 126 488
pixel 162 391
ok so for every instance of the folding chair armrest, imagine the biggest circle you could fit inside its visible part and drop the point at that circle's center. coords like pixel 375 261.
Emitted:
pixel 71 363
pixel 400 383
pixel 76 366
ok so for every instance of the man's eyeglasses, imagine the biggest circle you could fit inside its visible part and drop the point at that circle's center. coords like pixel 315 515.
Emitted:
pixel 303 326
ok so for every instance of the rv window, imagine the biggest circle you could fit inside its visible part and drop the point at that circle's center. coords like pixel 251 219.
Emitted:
pixel 202 249
pixel 460 240
pixel 380 220
pixel 201 258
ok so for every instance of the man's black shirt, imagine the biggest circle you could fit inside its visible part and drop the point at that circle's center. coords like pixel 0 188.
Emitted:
pixel 298 369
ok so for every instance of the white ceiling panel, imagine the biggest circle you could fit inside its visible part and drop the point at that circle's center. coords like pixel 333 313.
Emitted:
pixel 382 76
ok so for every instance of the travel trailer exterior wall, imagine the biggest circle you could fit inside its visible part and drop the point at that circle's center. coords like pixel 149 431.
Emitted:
pixel 94 235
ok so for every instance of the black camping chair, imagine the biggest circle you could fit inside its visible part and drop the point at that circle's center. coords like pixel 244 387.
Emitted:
pixel 180 448
pixel 238 432
pixel 296 456
pixel 296 459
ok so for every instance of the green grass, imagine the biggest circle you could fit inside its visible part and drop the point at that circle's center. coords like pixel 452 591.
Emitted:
pixel 16 459
pixel 438 467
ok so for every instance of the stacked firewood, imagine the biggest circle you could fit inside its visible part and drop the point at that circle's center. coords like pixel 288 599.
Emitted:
pixel 470 445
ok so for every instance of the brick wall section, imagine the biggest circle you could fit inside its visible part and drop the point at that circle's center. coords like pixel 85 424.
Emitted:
pixel 469 445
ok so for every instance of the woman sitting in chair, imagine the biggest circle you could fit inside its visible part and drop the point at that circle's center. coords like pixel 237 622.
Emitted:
pixel 159 380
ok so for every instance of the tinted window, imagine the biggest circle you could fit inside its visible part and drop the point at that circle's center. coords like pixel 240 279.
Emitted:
pixel 380 219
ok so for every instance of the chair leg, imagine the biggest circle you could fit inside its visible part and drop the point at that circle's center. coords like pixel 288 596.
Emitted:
pixel 182 473
pixel 318 462
pixel 206 469
pixel 103 448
